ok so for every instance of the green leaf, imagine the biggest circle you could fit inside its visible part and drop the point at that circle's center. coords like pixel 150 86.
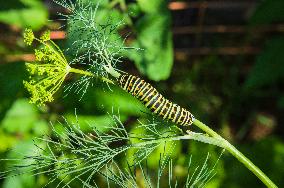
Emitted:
pixel 103 3
pixel 152 6
pixel 269 66
pixel 268 11
pixel 106 16
pixel 155 38
pixel 22 117
pixel 133 9
pixel 99 102
pixel 128 105
pixel 24 13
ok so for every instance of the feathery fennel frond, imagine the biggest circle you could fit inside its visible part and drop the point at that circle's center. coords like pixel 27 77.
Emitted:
pixel 142 176
pixel 96 45
pixel 93 39
pixel 73 155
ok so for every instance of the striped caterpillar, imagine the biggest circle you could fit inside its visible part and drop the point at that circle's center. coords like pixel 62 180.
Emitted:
pixel 154 101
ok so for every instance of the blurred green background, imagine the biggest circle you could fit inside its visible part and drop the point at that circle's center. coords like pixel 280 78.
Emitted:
pixel 223 60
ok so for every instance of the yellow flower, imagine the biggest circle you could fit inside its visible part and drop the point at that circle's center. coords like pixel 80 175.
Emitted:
pixel 46 36
pixel 28 36
pixel 47 73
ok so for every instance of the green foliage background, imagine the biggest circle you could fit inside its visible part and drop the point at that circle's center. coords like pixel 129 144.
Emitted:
pixel 239 97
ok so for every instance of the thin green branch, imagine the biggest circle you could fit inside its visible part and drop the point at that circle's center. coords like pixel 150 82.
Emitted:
pixel 87 73
pixel 111 71
pixel 236 153
pixel 78 71
pixel 190 136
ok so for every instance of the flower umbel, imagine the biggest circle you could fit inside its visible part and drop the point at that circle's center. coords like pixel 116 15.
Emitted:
pixel 49 71
pixel 28 36
pixel 46 36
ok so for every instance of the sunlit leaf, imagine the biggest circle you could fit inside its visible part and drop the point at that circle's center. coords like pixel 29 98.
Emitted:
pixel 155 38
pixel 23 118
pixel 26 13
pixel 151 6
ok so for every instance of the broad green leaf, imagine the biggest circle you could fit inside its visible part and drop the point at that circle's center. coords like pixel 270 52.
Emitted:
pixel 269 66
pixel 23 118
pixel 24 13
pixel 152 6
pixel 155 38
pixel 105 16
pixel 118 99
pixel 102 101
pixel 20 117
pixel 268 11
pixel 99 2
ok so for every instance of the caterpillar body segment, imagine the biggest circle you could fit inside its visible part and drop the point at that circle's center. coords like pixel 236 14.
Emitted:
pixel 154 101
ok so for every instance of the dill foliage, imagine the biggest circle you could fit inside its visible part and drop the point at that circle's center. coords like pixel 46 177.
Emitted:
pixel 74 156
pixel 95 45
pixel 94 42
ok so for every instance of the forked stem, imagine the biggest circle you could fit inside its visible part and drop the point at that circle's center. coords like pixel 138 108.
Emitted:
pixel 236 153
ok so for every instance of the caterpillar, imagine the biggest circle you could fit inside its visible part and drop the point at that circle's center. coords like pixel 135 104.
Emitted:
pixel 154 101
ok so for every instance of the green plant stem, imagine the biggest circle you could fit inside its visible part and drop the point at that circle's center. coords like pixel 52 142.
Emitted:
pixel 236 153
pixel 190 136
pixel 111 71
pixel 78 71
pixel 86 73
